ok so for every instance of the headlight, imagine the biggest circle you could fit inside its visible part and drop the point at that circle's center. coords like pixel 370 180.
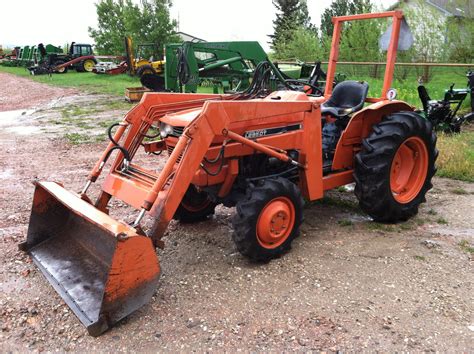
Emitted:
pixel 165 130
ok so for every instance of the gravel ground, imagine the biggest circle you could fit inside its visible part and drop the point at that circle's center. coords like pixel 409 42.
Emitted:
pixel 347 284
pixel 26 93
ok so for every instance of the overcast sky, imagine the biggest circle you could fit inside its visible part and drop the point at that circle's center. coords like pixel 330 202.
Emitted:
pixel 62 21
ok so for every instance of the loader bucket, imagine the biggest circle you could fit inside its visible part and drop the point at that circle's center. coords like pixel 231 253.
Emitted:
pixel 101 267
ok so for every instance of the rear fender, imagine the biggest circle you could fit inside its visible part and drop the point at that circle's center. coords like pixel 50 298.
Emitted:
pixel 359 127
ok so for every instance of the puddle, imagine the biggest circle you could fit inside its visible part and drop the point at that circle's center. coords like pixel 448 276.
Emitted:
pixel 13 117
pixel 23 130
pixel 6 174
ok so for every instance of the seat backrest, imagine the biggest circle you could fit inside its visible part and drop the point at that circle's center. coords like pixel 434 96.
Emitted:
pixel 349 94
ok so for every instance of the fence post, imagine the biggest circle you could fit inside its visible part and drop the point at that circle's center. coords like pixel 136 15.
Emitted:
pixel 426 73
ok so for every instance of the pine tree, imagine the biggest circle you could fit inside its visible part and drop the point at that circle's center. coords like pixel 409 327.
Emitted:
pixel 342 8
pixel 291 15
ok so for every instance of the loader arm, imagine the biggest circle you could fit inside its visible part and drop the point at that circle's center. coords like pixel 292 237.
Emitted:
pixel 161 194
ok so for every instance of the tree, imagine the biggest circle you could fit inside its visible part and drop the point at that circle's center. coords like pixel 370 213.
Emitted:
pixel 148 22
pixel 460 33
pixel 291 15
pixel 342 8
pixel 303 45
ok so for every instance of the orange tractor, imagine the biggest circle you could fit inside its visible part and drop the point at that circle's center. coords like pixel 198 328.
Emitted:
pixel 262 152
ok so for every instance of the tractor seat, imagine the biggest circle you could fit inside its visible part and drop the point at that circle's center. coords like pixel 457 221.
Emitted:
pixel 347 97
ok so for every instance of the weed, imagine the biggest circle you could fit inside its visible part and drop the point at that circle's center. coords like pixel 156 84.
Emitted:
pixel 442 221
pixel 76 138
pixel 432 212
pixel 345 222
pixel 406 226
pixel 420 258
pixel 466 247
pixel 459 191
pixel 340 203
pixel 456 157
pixel 376 226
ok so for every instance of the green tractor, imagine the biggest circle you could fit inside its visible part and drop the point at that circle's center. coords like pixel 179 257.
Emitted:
pixel 52 59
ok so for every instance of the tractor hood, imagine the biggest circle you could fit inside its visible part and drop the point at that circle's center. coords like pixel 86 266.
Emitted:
pixel 181 118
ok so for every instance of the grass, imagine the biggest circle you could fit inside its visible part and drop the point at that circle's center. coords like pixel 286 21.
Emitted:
pixel 376 226
pixel 456 156
pixel 459 191
pixel 442 221
pixel 466 247
pixel 104 84
pixel 340 203
pixel 420 258
pixel 345 222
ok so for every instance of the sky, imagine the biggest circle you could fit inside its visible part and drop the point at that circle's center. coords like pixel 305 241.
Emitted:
pixel 62 21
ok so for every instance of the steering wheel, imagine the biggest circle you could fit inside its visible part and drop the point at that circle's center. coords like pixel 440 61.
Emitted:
pixel 294 82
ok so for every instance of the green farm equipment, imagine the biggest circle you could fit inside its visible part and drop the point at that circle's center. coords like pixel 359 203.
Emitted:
pixel 52 59
pixel 226 64
pixel 227 67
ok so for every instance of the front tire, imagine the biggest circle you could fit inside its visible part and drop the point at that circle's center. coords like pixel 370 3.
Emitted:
pixel 393 171
pixel 195 206
pixel 268 220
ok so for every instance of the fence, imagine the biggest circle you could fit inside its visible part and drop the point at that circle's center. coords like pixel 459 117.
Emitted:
pixel 403 71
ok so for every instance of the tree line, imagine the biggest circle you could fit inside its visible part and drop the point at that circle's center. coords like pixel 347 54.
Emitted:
pixel 436 37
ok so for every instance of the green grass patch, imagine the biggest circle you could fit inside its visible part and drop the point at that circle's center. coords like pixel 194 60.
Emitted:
pixel 340 203
pixel 442 221
pixel 345 222
pixel 456 156
pixel 420 258
pixel 77 138
pixel 432 212
pixel 93 83
pixel 376 226
pixel 466 247
pixel 459 191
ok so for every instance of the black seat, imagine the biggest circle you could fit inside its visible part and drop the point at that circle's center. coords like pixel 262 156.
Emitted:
pixel 347 97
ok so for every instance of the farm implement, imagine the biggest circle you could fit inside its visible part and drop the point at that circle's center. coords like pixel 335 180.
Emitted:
pixel 79 57
pixel 224 66
pixel 261 152
pixel 443 113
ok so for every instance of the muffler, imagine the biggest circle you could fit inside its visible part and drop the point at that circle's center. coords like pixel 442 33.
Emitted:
pixel 101 267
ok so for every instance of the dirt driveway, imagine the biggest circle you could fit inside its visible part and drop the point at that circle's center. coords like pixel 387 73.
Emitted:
pixel 347 284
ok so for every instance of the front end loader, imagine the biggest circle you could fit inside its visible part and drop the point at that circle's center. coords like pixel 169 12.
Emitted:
pixel 261 152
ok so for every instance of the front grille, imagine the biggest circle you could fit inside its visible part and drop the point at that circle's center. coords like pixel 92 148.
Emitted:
pixel 177 131
pixel 170 150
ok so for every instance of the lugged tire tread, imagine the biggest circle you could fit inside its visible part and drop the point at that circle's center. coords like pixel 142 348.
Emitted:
pixel 373 163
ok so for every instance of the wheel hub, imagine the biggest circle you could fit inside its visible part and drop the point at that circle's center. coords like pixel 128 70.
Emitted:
pixel 275 222
pixel 409 169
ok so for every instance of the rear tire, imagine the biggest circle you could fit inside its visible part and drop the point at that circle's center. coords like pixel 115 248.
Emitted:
pixel 86 66
pixel 268 220
pixel 145 69
pixel 195 206
pixel 63 70
pixel 393 171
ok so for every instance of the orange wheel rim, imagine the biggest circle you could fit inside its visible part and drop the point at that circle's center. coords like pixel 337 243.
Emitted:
pixel 409 169
pixel 196 208
pixel 275 222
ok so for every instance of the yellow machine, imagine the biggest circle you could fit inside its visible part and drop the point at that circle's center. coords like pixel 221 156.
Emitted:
pixel 144 59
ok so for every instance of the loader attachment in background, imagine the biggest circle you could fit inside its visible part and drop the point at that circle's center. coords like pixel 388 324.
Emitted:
pixel 101 267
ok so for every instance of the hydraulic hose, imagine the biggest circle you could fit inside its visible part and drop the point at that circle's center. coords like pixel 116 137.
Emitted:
pixel 124 151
